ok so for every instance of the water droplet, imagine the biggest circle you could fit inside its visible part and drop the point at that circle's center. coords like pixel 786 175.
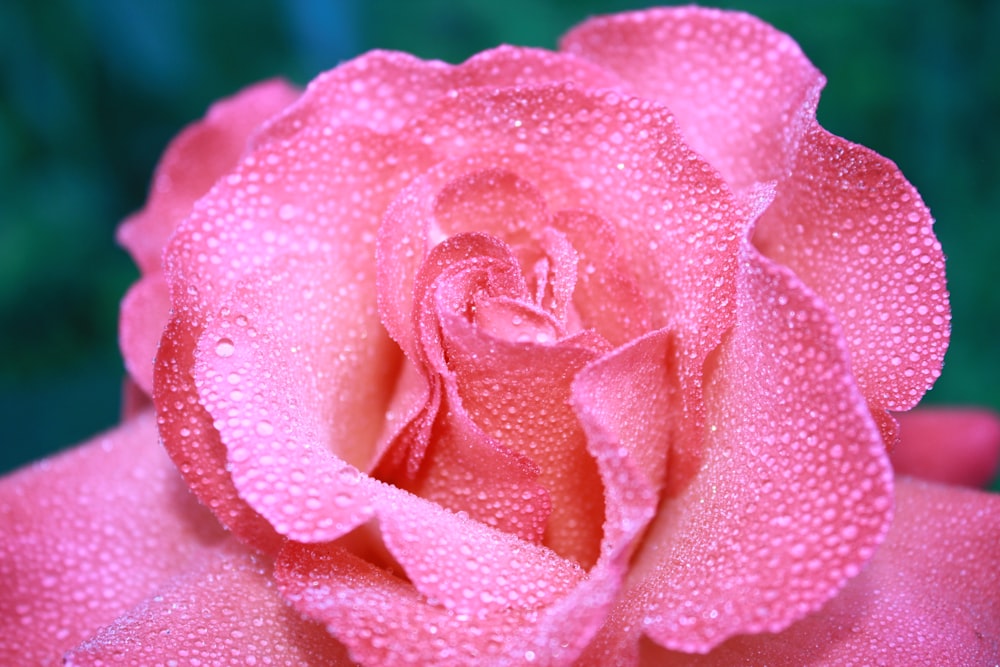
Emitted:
pixel 225 347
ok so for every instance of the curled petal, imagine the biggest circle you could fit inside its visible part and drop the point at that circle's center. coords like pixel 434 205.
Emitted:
pixel 856 232
pixel 743 92
pixel 794 493
pixel 322 195
pixel 927 598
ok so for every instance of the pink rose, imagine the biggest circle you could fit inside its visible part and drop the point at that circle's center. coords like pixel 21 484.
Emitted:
pixel 585 357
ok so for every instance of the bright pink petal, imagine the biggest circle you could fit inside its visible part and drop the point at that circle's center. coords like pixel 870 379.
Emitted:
pixel 953 446
pixel 856 232
pixel 320 195
pixel 929 597
pixel 225 611
pixel 193 161
pixel 382 90
pixel 743 92
pixel 794 493
pixel 87 535
pixel 144 313
pixel 192 441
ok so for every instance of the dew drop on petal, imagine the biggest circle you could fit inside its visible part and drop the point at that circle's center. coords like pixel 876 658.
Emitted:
pixel 225 347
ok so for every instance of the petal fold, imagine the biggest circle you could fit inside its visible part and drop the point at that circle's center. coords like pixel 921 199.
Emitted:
pixel 929 597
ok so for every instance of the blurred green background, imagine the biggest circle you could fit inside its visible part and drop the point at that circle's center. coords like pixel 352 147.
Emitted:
pixel 92 90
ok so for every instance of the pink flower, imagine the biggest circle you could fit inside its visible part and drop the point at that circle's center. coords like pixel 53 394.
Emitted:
pixel 585 357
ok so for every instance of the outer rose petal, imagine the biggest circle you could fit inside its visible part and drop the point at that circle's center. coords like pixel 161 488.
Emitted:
pixel 193 161
pixel 382 90
pixel 793 495
pixel 743 92
pixel 950 446
pixel 225 611
pixel 856 232
pixel 929 597
pixel 87 535
pixel 324 193
pixel 844 219
pixel 144 313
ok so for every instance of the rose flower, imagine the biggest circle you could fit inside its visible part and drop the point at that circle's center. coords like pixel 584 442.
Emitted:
pixel 587 357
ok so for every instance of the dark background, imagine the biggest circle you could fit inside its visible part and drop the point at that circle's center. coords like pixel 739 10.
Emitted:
pixel 92 90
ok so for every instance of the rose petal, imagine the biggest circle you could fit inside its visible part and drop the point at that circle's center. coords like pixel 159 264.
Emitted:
pixel 518 393
pixel 851 227
pixel 194 160
pixel 794 493
pixel 743 92
pixel 87 535
pixel 929 597
pixel 382 90
pixel 293 368
pixel 631 398
pixel 606 296
pixel 469 585
pixel 674 216
pixel 322 194
pixel 952 446
pixel 144 313
pixel 226 611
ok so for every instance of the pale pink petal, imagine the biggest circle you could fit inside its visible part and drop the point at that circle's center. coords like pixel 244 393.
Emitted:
pixel 518 392
pixel 323 195
pixel 507 196
pixel 466 471
pixel 674 216
pixel 743 92
pixel 382 90
pixel 929 597
pixel 192 441
pixel 856 232
pixel 794 493
pixel 143 317
pixel 226 611
pixel 194 160
pixel 509 494
pixel 631 398
pixel 468 588
pixel 606 297
pixel 87 535
pixel 296 375
pixel 953 446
